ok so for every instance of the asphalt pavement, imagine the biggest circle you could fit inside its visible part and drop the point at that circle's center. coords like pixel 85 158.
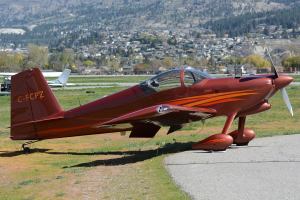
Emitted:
pixel 269 168
pixel 295 83
pixel 80 86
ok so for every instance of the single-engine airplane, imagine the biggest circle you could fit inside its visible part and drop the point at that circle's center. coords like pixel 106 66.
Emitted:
pixel 61 81
pixel 172 99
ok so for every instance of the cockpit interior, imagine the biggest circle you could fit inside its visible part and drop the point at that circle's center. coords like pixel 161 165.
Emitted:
pixel 178 77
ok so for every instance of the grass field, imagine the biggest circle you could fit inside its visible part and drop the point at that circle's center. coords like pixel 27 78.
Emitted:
pixel 123 79
pixel 111 166
pixel 296 78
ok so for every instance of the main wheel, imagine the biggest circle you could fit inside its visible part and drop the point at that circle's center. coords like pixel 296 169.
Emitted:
pixel 217 142
pixel 26 150
pixel 244 138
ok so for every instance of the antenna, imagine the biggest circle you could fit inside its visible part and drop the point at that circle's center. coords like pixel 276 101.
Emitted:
pixel 79 101
pixel 272 63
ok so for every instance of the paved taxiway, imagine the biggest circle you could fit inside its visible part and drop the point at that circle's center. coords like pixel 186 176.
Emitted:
pixel 295 83
pixel 80 86
pixel 268 169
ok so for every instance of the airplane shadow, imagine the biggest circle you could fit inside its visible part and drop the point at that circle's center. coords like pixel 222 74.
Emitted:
pixel 20 152
pixel 129 157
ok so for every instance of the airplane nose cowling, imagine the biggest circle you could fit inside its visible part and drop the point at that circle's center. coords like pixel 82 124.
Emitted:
pixel 282 81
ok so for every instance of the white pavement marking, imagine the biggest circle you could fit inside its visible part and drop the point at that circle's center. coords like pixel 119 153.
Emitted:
pixel 295 83
pixel 269 168
pixel 79 86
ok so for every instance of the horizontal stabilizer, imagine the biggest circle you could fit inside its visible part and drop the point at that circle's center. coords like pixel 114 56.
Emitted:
pixel 38 121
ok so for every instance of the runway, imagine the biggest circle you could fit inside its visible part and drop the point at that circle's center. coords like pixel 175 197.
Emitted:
pixel 269 168
pixel 80 86
pixel 295 83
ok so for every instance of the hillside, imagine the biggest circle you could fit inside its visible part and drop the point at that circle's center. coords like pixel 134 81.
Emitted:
pixel 149 13
pixel 51 21
pixel 250 22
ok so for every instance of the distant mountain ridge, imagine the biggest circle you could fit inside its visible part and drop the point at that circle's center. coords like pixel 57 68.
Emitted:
pixel 73 22
pixel 153 13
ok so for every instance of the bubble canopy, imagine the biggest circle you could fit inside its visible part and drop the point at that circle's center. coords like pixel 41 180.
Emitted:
pixel 174 78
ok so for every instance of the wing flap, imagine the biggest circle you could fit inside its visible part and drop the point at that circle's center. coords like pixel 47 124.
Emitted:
pixel 144 130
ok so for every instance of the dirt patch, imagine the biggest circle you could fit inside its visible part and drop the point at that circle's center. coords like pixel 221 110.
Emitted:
pixel 93 184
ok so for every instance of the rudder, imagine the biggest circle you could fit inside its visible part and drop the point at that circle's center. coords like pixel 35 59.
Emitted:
pixel 63 78
pixel 31 100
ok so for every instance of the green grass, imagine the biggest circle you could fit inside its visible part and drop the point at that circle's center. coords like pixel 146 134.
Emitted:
pixel 43 169
pixel 130 168
pixel 4 111
pixel 296 78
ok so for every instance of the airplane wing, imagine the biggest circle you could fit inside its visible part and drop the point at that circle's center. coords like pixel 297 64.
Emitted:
pixel 144 120
pixel 7 74
pixel 155 111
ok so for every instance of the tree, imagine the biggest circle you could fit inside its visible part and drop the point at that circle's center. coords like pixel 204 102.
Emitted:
pixel 88 63
pixel 257 61
pixel 203 62
pixel 233 60
pixel 191 61
pixel 114 63
pixel 155 64
pixel 67 58
pixel 54 61
pixel 172 40
pixel 291 63
pixel 11 61
pixel 266 31
pixel 168 62
pixel 3 58
pixel 37 56
pixel 18 60
pixel 140 68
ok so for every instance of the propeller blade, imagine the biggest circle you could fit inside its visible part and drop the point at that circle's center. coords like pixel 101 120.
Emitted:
pixel 287 100
pixel 272 63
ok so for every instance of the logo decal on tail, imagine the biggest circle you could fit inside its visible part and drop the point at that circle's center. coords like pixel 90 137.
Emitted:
pixel 32 96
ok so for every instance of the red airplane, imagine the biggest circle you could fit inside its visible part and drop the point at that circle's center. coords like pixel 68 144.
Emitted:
pixel 172 99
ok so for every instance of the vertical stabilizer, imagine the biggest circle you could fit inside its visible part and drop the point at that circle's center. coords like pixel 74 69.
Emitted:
pixel 31 100
pixel 63 78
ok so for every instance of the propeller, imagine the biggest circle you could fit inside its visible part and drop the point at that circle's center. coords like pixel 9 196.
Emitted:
pixel 282 90
pixel 272 63
pixel 287 100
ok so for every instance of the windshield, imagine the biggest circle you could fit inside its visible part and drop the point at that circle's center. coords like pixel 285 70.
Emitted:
pixel 171 79
pixel 192 76
pixel 164 81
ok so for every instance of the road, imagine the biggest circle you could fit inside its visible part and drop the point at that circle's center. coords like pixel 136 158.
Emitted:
pixel 268 169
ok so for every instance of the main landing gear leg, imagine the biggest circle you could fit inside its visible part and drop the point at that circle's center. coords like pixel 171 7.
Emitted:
pixel 217 142
pixel 242 136
pixel 26 149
